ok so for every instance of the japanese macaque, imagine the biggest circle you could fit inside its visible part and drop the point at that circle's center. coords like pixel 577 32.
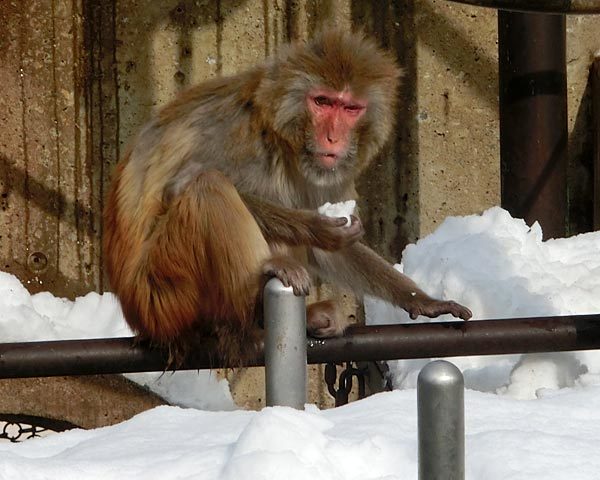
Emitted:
pixel 219 191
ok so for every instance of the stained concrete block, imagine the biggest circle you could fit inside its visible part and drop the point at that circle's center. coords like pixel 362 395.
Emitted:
pixel 81 77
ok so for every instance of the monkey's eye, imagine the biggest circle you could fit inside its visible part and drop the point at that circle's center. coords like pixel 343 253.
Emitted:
pixel 322 101
pixel 354 109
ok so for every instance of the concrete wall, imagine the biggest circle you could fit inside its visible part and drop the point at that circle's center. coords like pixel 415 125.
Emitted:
pixel 50 187
pixel 81 77
pixel 87 401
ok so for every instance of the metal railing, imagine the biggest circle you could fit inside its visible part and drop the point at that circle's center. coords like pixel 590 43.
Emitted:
pixel 360 343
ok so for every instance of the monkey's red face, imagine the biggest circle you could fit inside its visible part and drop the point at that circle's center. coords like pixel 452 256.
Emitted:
pixel 334 116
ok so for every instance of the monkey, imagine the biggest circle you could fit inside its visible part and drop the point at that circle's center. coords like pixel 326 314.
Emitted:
pixel 220 188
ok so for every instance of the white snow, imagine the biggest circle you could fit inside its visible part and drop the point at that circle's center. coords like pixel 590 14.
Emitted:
pixel 338 210
pixel 500 268
pixel 527 416
pixel 27 318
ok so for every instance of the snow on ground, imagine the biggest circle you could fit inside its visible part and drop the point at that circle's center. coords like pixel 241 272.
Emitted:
pixel 500 268
pixel 554 438
pixel 527 416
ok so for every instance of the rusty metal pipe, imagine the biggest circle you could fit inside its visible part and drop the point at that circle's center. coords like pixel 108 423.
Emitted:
pixel 533 118
pixel 386 342
pixel 489 337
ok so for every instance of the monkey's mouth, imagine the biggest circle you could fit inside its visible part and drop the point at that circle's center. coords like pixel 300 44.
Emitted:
pixel 328 160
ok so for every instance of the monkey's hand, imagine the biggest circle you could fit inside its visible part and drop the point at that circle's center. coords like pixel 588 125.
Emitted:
pixel 333 233
pixel 291 273
pixel 434 308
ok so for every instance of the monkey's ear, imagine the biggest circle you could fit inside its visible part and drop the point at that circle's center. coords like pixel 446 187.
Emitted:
pixel 281 94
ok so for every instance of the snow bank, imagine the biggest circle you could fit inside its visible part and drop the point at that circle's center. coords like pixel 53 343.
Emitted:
pixel 28 318
pixel 501 268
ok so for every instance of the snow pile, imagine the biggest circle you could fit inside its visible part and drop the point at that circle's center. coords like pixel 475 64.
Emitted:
pixel 28 318
pixel 500 268
pixel 338 210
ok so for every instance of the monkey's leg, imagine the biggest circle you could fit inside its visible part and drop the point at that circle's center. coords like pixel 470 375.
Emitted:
pixel 325 319
pixel 199 271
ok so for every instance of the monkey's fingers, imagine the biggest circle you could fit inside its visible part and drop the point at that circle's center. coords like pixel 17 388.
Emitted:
pixel 438 307
pixel 460 312
pixel 291 273
pixel 356 230
pixel 337 221
pixel 331 233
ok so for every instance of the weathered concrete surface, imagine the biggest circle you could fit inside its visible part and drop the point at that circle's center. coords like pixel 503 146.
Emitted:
pixel 50 212
pixel 81 77
pixel 87 401
pixel 583 44
pixel 457 111
pixel 445 160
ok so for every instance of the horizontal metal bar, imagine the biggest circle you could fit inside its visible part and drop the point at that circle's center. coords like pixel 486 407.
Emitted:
pixel 577 7
pixel 486 337
pixel 385 342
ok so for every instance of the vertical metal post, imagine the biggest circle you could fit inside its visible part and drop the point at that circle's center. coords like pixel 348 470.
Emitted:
pixel 596 133
pixel 285 346
pixel 533 118
pixel 440 399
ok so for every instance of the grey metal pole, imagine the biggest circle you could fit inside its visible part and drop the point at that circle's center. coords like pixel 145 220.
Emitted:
pixel 440 400
pixel 285 346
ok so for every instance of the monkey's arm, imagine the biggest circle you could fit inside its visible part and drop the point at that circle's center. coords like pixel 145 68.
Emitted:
pixel 363 271
pixel 302 227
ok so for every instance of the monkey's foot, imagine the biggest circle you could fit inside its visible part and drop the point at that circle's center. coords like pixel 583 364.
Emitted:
pixel 436 308
pixel 291 273
pixel 324 320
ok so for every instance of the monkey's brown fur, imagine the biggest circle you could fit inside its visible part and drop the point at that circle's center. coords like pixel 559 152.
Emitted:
pixel 223 181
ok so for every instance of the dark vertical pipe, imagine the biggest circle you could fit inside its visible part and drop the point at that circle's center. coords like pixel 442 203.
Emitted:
pixel 596 133
pixel 533 118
